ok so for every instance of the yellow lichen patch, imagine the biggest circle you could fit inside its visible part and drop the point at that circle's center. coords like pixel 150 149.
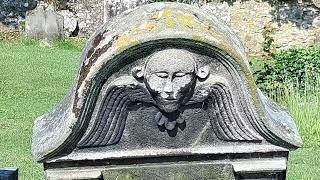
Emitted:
pixel 170 23
pixel 166 13
pixel 155 15
pixel 186 20
pixel 134 30
pixel 126 41
pixel 202 27
pixel 150 27
pixel 127 46
pixel 196 38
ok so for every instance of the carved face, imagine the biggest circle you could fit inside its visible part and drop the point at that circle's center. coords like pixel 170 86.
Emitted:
pixel 170 77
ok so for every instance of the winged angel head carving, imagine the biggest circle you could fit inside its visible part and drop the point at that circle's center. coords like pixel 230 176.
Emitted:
pixel 169 79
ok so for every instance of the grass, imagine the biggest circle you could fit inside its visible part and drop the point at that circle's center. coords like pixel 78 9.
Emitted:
pixel 34 76
pixel 304 106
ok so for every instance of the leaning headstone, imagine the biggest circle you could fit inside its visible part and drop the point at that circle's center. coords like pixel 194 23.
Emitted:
pixel 44 22
pixel 165 92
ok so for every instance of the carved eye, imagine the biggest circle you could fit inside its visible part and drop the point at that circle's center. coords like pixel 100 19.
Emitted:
pixel 180 74
pixel 162 74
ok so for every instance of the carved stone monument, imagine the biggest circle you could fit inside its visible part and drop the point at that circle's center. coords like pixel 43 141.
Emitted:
pixel 165 92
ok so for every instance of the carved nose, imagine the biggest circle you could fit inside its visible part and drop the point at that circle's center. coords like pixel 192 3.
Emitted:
pixel 168 87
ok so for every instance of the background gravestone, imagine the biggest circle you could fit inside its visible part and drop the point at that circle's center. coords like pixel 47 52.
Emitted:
pixel 165 91
pixel 44 22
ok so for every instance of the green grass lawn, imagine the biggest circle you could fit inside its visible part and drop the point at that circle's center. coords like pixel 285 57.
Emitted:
pixel 34 78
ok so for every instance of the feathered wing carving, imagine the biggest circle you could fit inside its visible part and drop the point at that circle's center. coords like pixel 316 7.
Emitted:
pixel 227 121
pixel 233 118
pixel 109 124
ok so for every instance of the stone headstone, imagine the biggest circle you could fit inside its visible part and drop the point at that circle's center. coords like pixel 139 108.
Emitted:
pixel 8 174
pixel 44 22
pixel 165 91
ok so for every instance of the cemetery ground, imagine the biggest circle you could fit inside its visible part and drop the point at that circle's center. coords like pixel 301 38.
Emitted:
pixel 35 76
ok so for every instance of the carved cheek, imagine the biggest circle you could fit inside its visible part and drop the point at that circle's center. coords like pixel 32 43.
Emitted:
pixel 156 83
pixel 180 84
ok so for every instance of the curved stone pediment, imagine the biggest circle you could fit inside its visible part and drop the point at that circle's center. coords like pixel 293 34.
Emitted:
pixel 164 75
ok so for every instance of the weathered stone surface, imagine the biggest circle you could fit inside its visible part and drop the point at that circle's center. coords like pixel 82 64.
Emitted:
pixel 70 23
pixel 316 3
pixel 90 15
pixel 171 171
pixel 12 12
pixel 44 22
pixel 292 21
pixel 116 7
pixel 8 173
pixel 165 83
pixel 35 21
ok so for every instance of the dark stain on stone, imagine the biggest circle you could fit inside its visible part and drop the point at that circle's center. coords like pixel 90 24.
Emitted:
pixel 85 68
pixel 90 52
pixel 196 15
pixel 96 42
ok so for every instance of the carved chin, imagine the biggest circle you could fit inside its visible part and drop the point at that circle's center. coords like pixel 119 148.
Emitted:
pixel 168 106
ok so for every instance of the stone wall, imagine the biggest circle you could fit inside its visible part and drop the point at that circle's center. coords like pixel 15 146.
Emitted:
pixel 264 25
pixel 89 13
pixel 13 11
pixel 288 24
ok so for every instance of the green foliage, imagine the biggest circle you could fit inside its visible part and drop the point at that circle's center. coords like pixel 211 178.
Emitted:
pixel 267 33
pixel 305 108
pixel 294 66
pixel 70 43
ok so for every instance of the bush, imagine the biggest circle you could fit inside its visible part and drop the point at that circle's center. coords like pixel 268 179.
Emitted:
pixel 296 67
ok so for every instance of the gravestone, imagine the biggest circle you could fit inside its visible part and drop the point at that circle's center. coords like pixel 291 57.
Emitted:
pixel 165 91
pixel 8 174
pixel 43 22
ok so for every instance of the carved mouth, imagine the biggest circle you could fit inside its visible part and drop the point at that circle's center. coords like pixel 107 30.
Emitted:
pixel 170 99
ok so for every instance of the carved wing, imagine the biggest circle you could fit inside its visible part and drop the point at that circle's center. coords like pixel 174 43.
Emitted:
pixel 225 116
pixel 229 122
pixel 233 119
pixel 109 124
